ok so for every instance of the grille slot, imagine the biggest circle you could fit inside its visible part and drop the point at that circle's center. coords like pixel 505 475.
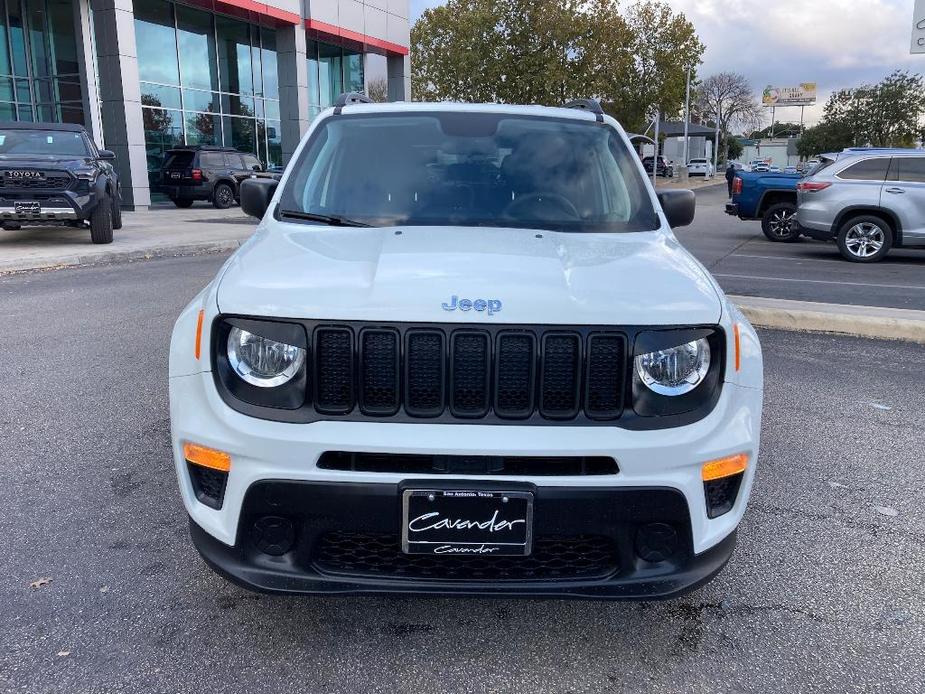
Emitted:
pixel 562 558
pixel 470 358
pixel 334 370
pixel 515 366
pixel 561 375
pixel 467 464
pixel 425 364
pixel 379 372
pixel 603 380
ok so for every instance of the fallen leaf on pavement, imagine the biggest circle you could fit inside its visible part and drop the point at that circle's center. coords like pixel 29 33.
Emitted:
pixel 886 510
pixel 64 653
pixel 40 583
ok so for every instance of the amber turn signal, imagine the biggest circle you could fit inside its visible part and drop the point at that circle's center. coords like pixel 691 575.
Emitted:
pixel 206 457
pixel 202 314
pixel 724 467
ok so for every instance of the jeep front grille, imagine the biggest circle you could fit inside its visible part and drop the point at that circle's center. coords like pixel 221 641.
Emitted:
pixel 467 373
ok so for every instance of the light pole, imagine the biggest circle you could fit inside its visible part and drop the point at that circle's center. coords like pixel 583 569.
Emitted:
pixel 716 142
pixel 658 117
pixel 687 116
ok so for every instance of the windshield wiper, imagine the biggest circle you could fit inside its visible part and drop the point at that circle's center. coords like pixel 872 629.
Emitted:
pixel 330 219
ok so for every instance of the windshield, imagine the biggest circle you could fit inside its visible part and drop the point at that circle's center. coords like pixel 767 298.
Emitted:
pixel 43 142
pixel 470 169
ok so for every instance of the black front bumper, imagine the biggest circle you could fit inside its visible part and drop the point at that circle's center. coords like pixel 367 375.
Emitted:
pixel 338 538
pixel 58 206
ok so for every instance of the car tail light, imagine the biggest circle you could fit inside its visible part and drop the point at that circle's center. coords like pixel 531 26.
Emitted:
pixel 737 186
pixel 812 186
pixel 196 174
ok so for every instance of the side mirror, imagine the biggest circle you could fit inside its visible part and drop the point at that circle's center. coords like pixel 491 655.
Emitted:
pixel 107 155
pixel 256 167
pixel 678 206
pixel 256 194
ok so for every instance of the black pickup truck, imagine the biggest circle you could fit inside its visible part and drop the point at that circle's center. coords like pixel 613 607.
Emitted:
pixel 53 173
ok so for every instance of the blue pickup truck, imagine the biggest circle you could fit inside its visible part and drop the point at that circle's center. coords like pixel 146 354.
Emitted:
pixel 770 197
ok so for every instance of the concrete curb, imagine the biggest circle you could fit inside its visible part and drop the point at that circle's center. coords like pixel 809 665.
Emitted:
pixel 807 316
pixel 164 251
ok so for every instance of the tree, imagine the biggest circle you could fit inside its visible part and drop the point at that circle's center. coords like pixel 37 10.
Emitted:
pixel 378 89
pixel 779 130
pixel 734 148
pixel 550 51
pixel 881 115
pixel 729 97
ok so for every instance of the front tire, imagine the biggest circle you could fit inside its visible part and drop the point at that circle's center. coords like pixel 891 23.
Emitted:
pixel 223 196
pixel 779 223
pixel 117 211
pixel 864 239
pixel 101 222
pixel 182 203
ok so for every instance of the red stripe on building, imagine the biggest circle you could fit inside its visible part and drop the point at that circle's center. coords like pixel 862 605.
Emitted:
pixel 370 42
pixel 259 8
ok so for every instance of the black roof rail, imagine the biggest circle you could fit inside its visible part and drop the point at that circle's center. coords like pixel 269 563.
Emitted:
pixel 592 105
pixel 348 99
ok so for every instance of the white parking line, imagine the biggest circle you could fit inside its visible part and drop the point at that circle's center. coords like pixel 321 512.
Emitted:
pixel 791 279
pixel 834 259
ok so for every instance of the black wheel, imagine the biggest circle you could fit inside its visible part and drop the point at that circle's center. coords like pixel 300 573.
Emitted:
pixel 779 222
pixel 182 203
pixel 864 239
pixel 117 211
pixel 101 222
pixel 223 196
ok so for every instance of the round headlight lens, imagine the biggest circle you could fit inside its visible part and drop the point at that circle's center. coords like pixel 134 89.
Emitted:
pixel 263 362
pixel 677 370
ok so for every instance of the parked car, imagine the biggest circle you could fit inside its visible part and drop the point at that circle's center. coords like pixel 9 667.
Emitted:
pixel 791 170
pixel 770 197
pixel 868 201
pixel 700 167
pixel 207 173
pixel 759 166
pixel 370 398
pixel 53 174
pixel 773 168
pixel 665 167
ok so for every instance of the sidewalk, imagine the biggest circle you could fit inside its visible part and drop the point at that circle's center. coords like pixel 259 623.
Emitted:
pixel 159 231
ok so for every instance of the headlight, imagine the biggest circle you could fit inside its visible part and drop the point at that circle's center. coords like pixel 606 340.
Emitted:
pixel 676 370
pixel 261 361
pixel 85 174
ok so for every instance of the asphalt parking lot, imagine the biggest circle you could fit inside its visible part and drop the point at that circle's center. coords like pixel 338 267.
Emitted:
pixel 745 262
pixel 824 593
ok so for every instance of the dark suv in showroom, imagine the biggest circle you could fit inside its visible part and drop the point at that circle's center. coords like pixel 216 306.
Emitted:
pixel 207 173
pixel 53 174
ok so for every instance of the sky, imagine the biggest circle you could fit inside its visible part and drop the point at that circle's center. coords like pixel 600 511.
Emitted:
pixel 835 43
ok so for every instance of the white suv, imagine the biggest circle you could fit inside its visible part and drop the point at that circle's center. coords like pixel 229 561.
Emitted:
pixel 464 353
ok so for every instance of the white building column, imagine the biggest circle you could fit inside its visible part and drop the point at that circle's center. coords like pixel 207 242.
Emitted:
pixel 120 95
pixel 86 59
pixel 292 67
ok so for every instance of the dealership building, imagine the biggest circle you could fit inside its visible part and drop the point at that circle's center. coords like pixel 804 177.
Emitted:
pixel 147 75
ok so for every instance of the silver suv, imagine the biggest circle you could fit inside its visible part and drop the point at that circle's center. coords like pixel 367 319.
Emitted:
pixel 867 200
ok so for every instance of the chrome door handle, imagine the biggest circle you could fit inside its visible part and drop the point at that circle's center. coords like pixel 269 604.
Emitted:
pixel 895 191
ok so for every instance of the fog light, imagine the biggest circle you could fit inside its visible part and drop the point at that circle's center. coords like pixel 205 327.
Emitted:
pixel 273 535
pixel 656 542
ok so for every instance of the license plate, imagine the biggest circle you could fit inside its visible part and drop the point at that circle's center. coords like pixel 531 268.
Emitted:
pixel 27 208
pixel 175 174
pixel 455 522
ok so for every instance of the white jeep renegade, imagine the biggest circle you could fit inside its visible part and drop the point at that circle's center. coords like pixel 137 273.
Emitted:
pixel 464 353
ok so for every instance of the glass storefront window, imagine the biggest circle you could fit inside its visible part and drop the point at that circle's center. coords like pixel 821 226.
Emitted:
pixel 332 70
pixel 155 37
pixel 223 63
pixel 234 55
pixel 196 42
pixel 38 46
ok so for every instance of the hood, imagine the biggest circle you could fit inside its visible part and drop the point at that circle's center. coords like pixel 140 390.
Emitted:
pixel 412 274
